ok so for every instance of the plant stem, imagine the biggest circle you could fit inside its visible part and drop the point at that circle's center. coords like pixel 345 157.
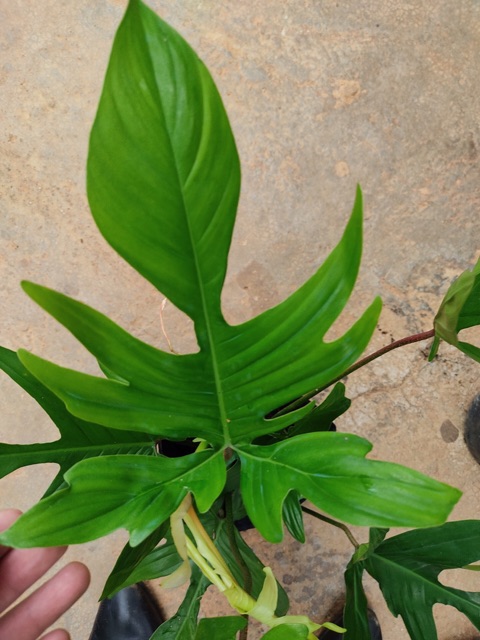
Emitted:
pixel 340 525
pixel 417 337
pixel 247 576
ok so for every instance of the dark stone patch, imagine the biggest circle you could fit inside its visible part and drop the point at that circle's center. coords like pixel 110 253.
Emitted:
pixel 448 431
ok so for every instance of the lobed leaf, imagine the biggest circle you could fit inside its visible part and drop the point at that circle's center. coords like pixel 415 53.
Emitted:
pixel 224 393
pixel 126 407
pixel 330 470
pixel 163 184
pixel 137 493
pixel 78 439
pixel 407 567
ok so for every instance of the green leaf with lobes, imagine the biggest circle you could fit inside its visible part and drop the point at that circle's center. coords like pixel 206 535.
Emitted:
pixel 330 470
pixel 137 493
pixel 407 567
pixel 154 400
pixel 163 199
pixel 163 184
pixel 78 439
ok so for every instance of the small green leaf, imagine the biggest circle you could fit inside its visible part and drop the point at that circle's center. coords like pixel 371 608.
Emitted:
pixel 322 417
pixel 225 628
pixel 407 568
pixel 355 615
pixel 183 625
pixel 137 493
pixel 377 536
pixel 293 516
pixel 331 471
pixel 144 562
pixel 287 632
pixel 460 309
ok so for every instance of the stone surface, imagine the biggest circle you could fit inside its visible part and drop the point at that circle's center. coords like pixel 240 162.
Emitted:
pixel 321 96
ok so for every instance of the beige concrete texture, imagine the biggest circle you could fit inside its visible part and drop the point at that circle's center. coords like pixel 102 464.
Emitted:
pixel 321 96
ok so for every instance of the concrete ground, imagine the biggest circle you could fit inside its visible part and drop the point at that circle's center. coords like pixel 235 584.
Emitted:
pixel 321 95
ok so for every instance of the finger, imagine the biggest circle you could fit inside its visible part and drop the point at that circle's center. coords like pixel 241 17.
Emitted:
pixel 40 610
pixel 7 518
pixel 20 568
pixel 58 634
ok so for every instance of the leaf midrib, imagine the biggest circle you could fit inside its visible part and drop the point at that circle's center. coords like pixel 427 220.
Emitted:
pixel 206 317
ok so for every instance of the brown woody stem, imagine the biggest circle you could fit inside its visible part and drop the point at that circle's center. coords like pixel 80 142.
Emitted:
pixel 340 525
pixel 417 337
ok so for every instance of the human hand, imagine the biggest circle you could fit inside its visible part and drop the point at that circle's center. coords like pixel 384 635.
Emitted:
pixel 19 569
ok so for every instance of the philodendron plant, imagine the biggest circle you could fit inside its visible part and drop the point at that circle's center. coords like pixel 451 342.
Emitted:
pixel 163 186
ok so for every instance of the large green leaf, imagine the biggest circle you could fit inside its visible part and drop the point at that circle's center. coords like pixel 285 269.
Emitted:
pixel 331 471
pixel 78 439
pixel 407 567
pixel 137 493
pixel 460 309
pixel 163 187
pixel 255 368
pixel 163 184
